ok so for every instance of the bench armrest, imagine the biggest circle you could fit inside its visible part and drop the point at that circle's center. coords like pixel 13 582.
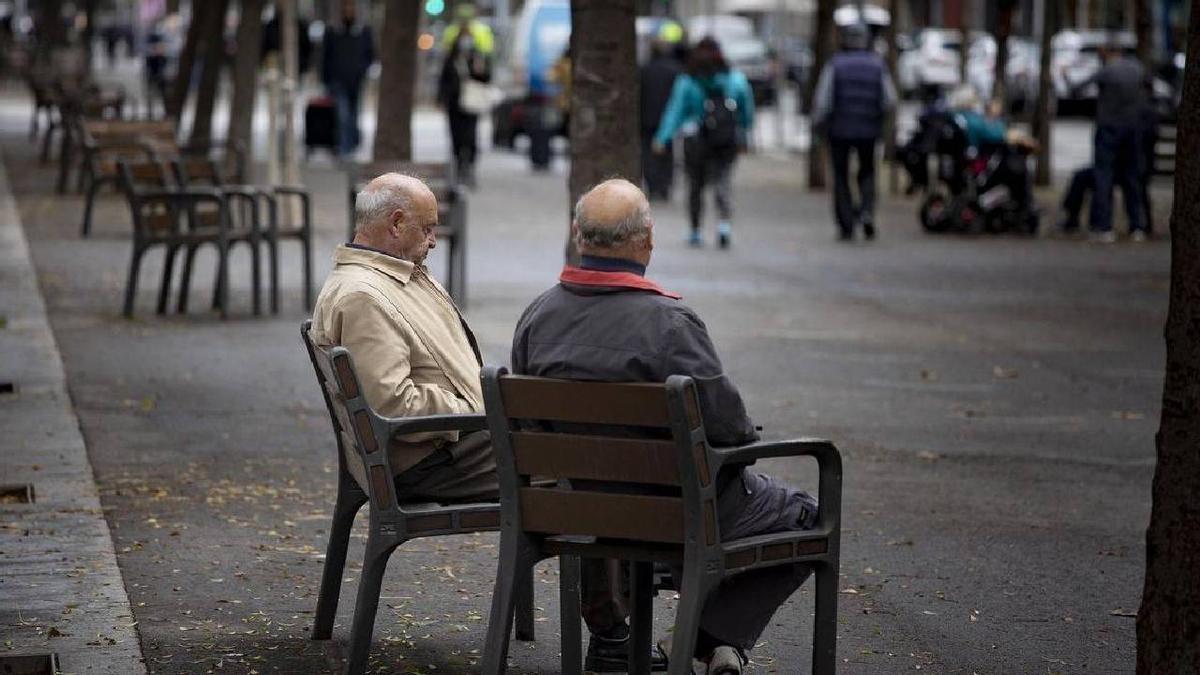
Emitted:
pixel 829 464
pixel 403 426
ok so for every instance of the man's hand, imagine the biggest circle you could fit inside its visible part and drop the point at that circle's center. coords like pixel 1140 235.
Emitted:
pixel 657 148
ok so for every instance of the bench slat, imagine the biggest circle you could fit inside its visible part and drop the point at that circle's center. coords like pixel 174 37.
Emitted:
pixel 605 515
pixel 639 405
pixel 625 460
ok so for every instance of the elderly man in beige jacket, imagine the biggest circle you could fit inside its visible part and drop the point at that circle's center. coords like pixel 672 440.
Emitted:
pixel 412 348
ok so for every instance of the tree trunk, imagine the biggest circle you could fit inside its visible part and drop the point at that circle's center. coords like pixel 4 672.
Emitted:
pixel 245 74
pixel 51 32
pixel 1143 24
pixel 822 45
pixel 1168 624
pixel 210 74
pixel 889 125
pixel 187 60
pixel 397 46
pixel 964 45
pixel 89 33
pixel 1004 19
pixel 604 97
pixel 1044 111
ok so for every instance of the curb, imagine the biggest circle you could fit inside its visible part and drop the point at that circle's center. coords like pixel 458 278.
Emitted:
pixel 61 591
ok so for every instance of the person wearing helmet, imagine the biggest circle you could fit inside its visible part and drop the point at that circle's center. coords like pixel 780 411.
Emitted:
pixel 853 95
pixel 465 21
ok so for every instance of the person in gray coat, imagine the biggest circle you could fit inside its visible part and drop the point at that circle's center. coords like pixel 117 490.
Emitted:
pixel 649 334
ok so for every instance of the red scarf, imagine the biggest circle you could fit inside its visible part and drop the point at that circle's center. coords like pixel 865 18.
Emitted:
pixel 582 277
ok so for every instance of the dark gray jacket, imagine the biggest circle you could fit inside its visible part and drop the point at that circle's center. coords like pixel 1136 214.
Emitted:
pixel 1121 95
pixel 622 334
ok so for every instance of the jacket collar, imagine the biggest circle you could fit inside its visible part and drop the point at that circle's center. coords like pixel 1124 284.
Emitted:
pixel 577 276
pixel 356 254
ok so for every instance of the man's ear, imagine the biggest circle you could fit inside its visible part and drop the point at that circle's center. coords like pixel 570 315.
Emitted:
pixel 395 221
pixel 575 234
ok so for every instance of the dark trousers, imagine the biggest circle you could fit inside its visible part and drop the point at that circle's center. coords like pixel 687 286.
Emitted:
pixel 346 98
pixel 1119 160
pixel 1082 181
pixel 657 170
pixel 739 609
pixel 463 136
pixel 464 471
pixel 705 167
pixel 847 212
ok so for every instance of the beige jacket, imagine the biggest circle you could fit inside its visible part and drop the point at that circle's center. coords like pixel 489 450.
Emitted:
pixel 412 349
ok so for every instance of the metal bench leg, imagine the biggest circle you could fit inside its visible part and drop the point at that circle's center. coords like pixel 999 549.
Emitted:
pixel 692 595
pixel 131 283
pixel 641 589
pixel 825 621
pixel 164 287
pixel 185 281
pixel 516 556
pixel 367 604
pixel 92 188
pixel 256 276
pixel 524 608
pixel 306 243
pixel 349 501
pixel 568 601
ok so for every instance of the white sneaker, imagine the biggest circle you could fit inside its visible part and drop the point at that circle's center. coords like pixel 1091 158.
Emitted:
pixel 726 660
pixel 1138 237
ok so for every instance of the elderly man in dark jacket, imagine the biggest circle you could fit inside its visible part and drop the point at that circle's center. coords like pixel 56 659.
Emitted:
pixel 647 335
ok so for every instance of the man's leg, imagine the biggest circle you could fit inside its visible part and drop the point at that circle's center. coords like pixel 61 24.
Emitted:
pixel 740 609
pixel 460 472
pixel 694 160
pixel 341 101
pixel 1106 151
pixel 721 169
pixel 866 186
pixel 1129 174
pixel 843 208
pixel 1081 181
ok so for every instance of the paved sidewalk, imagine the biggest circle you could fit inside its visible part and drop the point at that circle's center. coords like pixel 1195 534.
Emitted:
pixel 60 589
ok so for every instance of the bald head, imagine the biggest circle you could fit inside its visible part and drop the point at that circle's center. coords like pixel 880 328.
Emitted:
pixel 613 220
pixel 396 213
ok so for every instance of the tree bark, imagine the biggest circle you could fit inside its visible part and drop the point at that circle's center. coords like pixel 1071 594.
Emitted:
pixel 1168 623
pixel 398 59
pixel 1044 111
pixel 1004 19
pixel 245 74
pixel 51 33
pixel 1143 23
pixel 187 60
pixel 210 73
pixel 822 44
pixel 89 32
pixel 604 97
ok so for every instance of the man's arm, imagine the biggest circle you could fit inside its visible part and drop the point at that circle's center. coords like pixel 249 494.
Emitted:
pixel 822 103
pixel 379 342
pixel 889 91
pixel 690 352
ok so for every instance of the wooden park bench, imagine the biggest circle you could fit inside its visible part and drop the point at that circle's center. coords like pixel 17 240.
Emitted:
pixel 648 439
pixel 365 476
pixel 452 211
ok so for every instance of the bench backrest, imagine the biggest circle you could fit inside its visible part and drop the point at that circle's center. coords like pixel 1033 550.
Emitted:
pixel 100 132
pixel 353 422
pixel 631 459
pixel 154 217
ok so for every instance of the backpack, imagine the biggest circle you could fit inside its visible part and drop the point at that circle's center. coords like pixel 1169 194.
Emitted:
pixel 718 124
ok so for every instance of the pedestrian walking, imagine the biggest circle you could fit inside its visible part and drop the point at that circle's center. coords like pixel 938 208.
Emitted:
pixel 853 95
pixel 712 104
pixel 464 93
pixel 1119 157
pixel 658 78
pixel 349 52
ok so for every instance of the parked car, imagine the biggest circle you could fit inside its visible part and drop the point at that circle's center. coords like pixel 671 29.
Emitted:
pixel 933 62
pixel 743 49
pixel 1021 69
pixel 540 38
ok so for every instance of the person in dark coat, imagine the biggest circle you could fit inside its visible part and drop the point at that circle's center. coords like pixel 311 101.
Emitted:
pixel 648 335
pixel 1122 83
pixel 348 53
pixel 464 62
pixel 852 97
pixel 658 78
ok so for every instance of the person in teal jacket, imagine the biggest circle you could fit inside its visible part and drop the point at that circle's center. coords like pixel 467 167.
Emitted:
pixel 713 106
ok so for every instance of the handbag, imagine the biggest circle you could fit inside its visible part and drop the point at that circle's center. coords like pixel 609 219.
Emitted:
pixel 477 97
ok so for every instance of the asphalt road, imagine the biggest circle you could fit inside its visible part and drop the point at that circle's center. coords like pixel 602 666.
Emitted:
pixel 995 400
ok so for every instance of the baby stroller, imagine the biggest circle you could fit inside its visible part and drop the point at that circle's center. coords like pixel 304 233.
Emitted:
pixel 978 189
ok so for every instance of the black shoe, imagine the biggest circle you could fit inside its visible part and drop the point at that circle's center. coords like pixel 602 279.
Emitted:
pixel 868 230
pixel 611 655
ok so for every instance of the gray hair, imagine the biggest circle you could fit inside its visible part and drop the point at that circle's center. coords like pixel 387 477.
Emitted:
pixel 633 227
pixel 379 199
